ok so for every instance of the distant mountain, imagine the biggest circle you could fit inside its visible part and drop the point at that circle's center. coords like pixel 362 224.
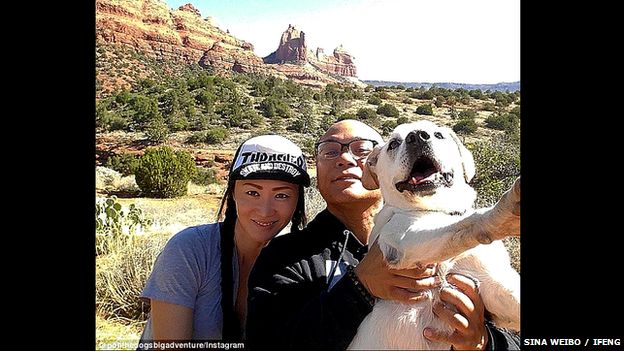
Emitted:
pixel 511 86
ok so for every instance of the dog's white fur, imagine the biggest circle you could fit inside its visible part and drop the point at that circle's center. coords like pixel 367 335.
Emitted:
pixel 415 228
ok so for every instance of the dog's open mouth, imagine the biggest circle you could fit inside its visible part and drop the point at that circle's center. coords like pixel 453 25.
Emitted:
pixel 426 175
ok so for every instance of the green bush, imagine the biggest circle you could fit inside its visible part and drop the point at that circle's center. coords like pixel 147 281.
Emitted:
pixel 125 163
pixel 439 101
pixel 374 100
pixel 388 110
pixel 488 106
pixel 498 165
pixel 515 111
pixel 204 176
pixel 216 135
pixel 348 115
pixel 366 113
pixel 507 122
pixel 327 121
pixel 156 130
pixel 465 126
pixel 402 120
pixel 468 114
pixel 164 173
pixel 273 106
pixel 388 126
pixel 425 110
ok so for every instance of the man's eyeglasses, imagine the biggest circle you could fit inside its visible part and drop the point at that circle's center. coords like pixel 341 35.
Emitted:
pixel 359 148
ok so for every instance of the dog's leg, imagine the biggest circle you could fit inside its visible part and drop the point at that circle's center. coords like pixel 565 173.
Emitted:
pixel 418 246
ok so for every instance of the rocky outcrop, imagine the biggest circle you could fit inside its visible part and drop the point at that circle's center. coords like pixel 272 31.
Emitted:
pixel 341 63
pixel 292 49
pixel 176 35
pixel 183 36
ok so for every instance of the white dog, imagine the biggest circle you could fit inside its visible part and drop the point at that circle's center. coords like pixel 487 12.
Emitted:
pixel 428 217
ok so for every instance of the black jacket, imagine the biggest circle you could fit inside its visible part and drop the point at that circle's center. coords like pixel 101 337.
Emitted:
pixel 290 305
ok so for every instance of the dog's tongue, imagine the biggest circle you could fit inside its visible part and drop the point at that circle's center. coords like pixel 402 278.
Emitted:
pixel 418 178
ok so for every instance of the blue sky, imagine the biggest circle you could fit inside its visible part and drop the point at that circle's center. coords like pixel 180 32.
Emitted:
pixel 463 41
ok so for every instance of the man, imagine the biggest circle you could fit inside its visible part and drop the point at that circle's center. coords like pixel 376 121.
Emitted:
pixel 301 299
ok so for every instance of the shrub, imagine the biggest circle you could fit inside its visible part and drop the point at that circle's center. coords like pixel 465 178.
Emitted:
pixel 204 176
pixel 164 173
pixel 387 127
pixel 366 113
pixel 439 101
pixel 326 122
pixel 465 126
pixel 515 111
pixel 488 106
pixel 388 110
pixel 344 116
pixel 425 110
pixel 468 114
pixel 156 130
pixel 216 135
pixel 304 124
pixel 498 164
pixel 125 163
pixel 507 122
pixel 402 120
pixel 374 100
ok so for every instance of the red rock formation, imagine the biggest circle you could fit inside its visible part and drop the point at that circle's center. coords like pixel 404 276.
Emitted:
pixel 177 35
pixel 292 47
pixel 182 35
pixel 341 63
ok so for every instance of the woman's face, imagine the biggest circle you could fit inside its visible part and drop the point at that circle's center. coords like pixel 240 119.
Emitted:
pixel 264 207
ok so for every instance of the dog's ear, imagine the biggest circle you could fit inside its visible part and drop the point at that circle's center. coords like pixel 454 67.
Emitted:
pixel 369 177
pixel 466 156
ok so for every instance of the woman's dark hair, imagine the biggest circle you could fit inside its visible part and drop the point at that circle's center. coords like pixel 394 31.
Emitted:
pixel 227 214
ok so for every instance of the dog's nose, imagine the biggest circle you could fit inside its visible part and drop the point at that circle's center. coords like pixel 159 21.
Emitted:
pixel 417 137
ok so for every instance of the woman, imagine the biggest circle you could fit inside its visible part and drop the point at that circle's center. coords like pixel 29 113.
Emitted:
pixel 198 287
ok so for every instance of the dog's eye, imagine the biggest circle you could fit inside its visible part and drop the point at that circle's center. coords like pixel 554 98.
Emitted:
pixel 438 135
pixel 393 145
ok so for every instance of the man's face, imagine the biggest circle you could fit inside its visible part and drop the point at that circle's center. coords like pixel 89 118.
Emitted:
pixel 339 179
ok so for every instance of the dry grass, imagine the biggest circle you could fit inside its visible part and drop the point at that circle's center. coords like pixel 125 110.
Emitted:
pixel 197 208
pixel 112 335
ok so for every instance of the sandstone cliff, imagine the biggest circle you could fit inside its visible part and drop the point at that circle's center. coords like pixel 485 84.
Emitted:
pixel 293 49
pixel 183 36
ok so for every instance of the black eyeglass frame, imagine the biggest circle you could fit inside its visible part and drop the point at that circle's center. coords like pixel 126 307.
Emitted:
pixel 343 145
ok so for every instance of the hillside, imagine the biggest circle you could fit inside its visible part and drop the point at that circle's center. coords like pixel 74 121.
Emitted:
pixel 183 36
pixel 508 87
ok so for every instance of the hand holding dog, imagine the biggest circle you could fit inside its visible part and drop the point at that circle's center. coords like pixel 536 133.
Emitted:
pixel 404 285
pixel 465 315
